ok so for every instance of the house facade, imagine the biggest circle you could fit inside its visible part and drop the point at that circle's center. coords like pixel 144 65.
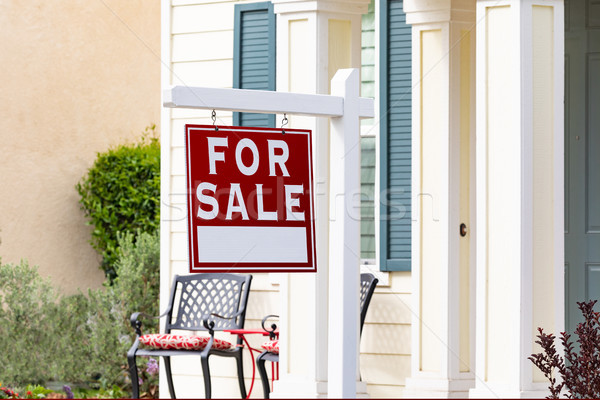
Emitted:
pixel 477 200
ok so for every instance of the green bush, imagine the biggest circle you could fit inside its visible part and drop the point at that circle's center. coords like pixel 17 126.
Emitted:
pixel 121 193
pixel 137 284
pixel 136 288
pixel 71 339
pixel 78 338
pixel 26 310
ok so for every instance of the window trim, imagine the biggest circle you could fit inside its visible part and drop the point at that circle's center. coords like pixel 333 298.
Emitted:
pixel 369 132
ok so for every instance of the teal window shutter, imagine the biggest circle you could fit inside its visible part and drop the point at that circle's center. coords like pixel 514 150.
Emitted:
pixel 254 56
pixel 395 137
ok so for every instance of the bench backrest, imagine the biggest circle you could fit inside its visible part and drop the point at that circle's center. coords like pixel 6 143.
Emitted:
pixel 368 282
pixel 196 295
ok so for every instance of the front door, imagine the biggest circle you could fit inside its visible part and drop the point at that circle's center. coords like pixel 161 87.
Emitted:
pixel 582 155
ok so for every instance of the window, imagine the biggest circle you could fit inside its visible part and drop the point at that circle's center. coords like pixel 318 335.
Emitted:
pixel 368 159
pixel 254 56
pixel 254 68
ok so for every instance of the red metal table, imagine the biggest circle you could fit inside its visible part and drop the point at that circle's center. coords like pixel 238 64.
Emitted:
pixel 242 333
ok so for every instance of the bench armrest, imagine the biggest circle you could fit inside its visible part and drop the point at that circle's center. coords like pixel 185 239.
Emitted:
pixel 273 326
pixel 136 324
pixel 210 324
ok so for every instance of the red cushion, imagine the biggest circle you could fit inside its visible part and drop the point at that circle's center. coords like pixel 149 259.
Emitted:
pixel 186 342
pixel 271 346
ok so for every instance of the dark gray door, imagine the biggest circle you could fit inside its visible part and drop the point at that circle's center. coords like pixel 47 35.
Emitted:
pixel 582 155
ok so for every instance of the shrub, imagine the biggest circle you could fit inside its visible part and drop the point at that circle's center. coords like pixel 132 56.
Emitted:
pixel 137 285
pixel 26 310
pixel 120 193
pixel 578 369
pixel 71 339
pixel 41 338
pixel 77 338
pixel 136 288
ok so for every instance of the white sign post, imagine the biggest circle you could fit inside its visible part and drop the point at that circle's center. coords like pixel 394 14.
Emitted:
pixel 345 107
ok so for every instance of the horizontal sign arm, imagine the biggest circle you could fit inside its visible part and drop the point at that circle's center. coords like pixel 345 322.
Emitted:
pixel 261 101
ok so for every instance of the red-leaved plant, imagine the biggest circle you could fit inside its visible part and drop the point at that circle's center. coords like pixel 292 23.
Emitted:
pixel 579 370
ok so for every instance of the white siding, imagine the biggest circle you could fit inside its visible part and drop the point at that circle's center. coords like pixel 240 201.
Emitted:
pixel 201 54
pixel 201 48
pixel 385 342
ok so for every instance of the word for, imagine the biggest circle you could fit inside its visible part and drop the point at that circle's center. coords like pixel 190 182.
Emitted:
pixel 277 155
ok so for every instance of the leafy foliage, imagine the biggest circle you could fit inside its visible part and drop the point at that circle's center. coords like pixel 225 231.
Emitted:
pixel 149 379
pixel 70 339
pixel 26 310
pixel 136 288
pixel 37 392
pixel 137 285
pixel 114 392
pixel 579 370
pixel 121 193
pixel 76 338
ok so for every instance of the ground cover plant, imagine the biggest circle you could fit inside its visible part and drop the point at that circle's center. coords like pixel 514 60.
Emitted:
pixel 66 392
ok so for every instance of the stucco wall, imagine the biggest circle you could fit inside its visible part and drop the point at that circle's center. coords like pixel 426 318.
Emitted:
pixel 77 77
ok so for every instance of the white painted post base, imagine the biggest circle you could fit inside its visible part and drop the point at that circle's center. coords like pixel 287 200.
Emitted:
pixel 298 388
pixel 437 388
pixel 497 392
pixel 301 389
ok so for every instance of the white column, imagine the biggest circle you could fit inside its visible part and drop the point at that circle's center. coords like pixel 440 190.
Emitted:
pixel 314 39
pixel 443 64
pixel 520 204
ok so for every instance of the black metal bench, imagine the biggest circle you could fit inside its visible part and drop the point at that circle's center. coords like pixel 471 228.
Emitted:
pixel 198 302
pixel 368 282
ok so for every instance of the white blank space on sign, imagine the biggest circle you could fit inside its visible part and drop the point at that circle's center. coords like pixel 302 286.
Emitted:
pixel 245 244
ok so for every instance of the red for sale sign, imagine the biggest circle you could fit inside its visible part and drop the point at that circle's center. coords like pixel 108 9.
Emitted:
pixel 250 199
